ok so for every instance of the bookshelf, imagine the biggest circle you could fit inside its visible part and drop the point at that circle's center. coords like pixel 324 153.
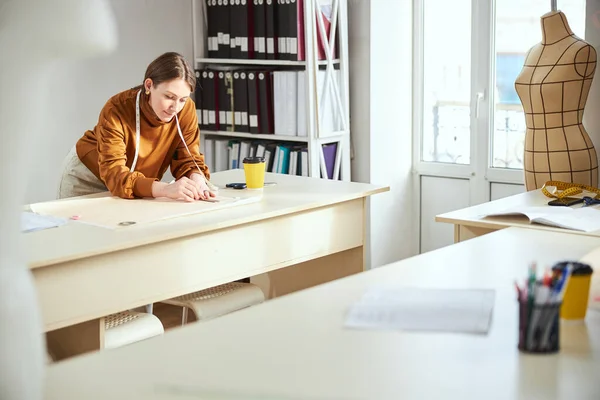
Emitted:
pixel 316 75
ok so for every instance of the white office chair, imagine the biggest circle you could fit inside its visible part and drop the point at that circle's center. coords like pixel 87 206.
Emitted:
pixel 128 327
pixel 218 300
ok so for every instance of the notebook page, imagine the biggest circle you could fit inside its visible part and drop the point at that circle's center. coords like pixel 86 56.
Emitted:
pixel 586 219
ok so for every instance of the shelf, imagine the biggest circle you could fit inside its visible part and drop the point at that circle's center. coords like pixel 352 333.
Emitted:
pixel 256 136
pixel 257 62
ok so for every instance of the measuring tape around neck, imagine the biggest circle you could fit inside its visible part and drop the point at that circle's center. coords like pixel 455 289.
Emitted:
pixel 567 189
pixel 210 185
pixel 137 130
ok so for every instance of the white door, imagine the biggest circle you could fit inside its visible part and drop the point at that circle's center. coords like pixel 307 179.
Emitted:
pixel 469 122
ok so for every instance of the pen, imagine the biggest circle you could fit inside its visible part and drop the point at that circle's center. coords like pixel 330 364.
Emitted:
pixel 542 293
pixel 530 292
pixel 556 296
pixel 519 291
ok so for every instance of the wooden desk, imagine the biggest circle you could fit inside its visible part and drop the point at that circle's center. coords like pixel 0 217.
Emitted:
pixel 468 222
pixel 295 346
pixel 84 272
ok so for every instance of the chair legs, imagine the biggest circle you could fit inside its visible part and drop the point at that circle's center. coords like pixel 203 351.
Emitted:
pixel 184 315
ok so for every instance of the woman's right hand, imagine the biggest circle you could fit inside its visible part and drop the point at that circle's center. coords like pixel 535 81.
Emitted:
pixel 182 189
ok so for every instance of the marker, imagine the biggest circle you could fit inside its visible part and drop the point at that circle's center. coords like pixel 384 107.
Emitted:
pixel 519 292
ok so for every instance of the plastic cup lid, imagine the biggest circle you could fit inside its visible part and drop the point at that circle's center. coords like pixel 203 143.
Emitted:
pixel 254 160
pixel 579 268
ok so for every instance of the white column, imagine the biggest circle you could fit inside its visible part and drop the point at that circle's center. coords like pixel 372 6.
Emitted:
pixel 380 41
pixel 34 37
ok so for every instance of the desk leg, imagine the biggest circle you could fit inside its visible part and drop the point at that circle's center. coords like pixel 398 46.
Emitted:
pixel 76 339
pixel 464 232
pixel 311 273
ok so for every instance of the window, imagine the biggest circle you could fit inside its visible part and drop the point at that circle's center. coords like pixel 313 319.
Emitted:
pixel 446 81
pixel 454 46
pixel 518 28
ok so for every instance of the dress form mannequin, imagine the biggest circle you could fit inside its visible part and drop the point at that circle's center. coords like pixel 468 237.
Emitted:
pixel 34 36
pixel 553 87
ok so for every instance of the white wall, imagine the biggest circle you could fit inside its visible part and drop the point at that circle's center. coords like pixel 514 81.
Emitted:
pixel 147 28
pixel 381 109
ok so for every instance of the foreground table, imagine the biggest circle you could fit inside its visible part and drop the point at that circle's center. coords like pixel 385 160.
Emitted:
pixel 295 347
pixel 469 223
pixel 84 272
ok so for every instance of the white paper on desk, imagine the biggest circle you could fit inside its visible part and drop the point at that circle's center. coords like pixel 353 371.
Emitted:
pixel 416 309
pixel 31 222
pixel 109 211
pixel 585 219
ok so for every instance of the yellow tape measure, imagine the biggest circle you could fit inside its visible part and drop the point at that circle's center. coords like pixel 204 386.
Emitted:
pixel 567 189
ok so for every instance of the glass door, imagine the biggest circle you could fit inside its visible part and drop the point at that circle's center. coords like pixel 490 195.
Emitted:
pixel 446 92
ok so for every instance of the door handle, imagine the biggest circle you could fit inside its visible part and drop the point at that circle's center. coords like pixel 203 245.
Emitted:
pixel 479 98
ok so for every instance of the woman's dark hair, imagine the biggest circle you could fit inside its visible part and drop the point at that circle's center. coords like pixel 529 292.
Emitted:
pixel 170 66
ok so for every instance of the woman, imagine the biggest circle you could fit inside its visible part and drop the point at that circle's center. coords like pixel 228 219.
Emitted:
pixel 141 132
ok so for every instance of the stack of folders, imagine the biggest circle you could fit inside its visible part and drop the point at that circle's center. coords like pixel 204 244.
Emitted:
pixel 262 101
pixel 280 157
pixel 261 29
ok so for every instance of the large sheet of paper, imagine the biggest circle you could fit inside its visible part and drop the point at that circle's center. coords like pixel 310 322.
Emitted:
pixel 416 309
pixel 113 212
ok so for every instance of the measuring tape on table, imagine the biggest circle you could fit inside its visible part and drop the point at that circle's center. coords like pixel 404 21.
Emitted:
pixel 567 189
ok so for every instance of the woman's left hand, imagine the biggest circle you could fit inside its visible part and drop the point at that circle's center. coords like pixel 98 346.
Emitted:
pixel 204 191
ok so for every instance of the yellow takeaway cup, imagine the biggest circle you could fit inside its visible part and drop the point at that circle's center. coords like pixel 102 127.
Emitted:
pixel 576 297
pixel 254 170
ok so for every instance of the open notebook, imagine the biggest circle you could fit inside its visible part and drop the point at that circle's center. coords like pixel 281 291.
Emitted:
pixel 585 219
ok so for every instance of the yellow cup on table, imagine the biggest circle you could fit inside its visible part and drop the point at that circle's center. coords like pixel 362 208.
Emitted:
pixel 254 170
pixel 577 292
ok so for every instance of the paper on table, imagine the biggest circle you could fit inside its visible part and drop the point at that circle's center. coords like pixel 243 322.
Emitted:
pixel 586 219
pixel 197 392
pixel 109 211
pixel 31 222
pixel 416 309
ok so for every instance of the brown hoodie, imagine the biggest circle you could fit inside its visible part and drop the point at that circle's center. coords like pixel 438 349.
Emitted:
pixel 109 149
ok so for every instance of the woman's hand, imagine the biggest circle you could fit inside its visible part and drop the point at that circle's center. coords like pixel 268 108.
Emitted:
pixel 204 191
pixel 183 189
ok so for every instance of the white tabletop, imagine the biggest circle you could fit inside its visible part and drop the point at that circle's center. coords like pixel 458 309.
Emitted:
pixel 291 194
pixel 296 346
pixel 473 216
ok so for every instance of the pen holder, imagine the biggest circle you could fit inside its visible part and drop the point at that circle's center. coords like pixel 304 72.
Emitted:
pixel 539 327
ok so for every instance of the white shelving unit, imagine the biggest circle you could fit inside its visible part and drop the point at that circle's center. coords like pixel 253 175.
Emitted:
pixel 332 92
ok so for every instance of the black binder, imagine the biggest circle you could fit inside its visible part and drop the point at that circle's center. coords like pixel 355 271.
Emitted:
pixel 259 29
pixel 253 102
pixel 271 29
pixel 209 100
pixel 240 101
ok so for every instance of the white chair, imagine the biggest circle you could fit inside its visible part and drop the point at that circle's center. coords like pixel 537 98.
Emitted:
pixel 218 300
pixel 128 327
